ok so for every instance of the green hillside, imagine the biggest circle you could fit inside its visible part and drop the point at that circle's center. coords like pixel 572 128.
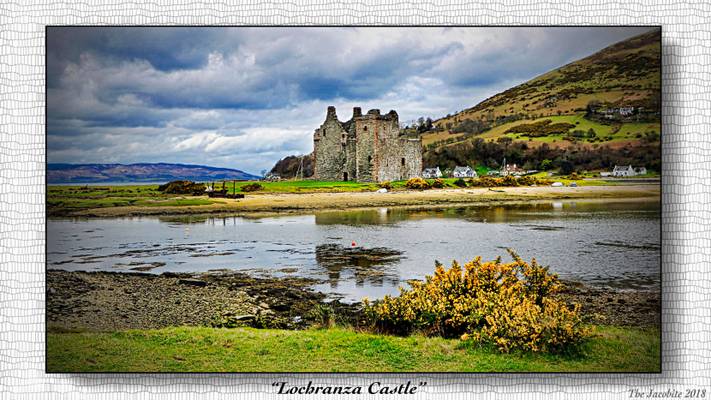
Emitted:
pixel 626 73
pixel 607 104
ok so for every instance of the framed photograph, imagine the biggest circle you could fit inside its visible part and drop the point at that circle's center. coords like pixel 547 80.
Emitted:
pixel 353 199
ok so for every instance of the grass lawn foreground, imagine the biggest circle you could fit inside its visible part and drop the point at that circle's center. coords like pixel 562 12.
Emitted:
pixel 196 349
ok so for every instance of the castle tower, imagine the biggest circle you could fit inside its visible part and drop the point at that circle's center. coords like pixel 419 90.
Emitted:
pixel 366 148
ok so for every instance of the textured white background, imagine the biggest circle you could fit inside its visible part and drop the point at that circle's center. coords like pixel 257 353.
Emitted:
pixel 686 191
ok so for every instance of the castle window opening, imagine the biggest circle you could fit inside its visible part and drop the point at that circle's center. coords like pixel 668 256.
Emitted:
pixel 402 161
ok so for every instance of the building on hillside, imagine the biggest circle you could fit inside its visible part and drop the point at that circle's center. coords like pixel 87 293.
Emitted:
pixel 366 148
pixel 430 173
pixel 626 111
pixel 511 169
pixel 640 171
pixel 623 170
pixel 464 172
pixel 272 177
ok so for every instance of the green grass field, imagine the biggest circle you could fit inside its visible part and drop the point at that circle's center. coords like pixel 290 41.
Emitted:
pixel 72 198
pixel 195 349
pixel 307 186
pixel 627 131
pixel 66 199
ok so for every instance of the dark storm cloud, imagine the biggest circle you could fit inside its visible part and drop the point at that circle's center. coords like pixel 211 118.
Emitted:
pixel 247 96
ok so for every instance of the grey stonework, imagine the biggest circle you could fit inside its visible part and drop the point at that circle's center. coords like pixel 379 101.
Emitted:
pixel 366 148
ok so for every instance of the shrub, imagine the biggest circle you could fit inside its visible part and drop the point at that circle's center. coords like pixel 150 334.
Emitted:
pixel 417 183
pixel 386 185
pixel 323 315
pixel 460 182
pixel 182 187
pixel 541 128
pixel 252 187
pixel 512 306
pixel 485 181
pixel 438 183
pixel 509 180
pixel 526 180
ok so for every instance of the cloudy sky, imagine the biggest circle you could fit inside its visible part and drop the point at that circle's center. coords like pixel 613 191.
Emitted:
pixel 245 97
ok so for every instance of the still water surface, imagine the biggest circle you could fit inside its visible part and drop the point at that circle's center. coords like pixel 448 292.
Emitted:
pixel 601 243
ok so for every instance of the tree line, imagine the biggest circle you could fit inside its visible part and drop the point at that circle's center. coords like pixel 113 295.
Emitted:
pixel 543 157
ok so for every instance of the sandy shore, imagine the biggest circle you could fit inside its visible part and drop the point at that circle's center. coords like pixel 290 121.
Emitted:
pixel 309 202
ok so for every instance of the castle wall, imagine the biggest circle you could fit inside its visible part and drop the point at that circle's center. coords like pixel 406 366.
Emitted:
pixel 366 132
pixel 412 151
pixel 368 148
pixel 350 164
pixel 329 149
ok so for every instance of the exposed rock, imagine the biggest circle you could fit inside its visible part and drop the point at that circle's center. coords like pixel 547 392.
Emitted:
pixel 110 301
pixel 194 282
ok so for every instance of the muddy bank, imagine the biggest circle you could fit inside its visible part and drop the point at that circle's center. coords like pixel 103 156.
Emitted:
pixel 615 307
pixel 107 301
pixel 110 301
pixel 281 203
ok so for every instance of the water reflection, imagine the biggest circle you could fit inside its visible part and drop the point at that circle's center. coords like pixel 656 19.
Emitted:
pixel 371 265
pixel 590 241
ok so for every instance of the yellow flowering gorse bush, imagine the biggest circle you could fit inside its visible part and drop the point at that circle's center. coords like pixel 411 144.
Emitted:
pixel 510 305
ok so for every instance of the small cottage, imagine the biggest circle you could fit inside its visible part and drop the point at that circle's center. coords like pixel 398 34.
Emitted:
pixel 623 170
pixel 511 169
pixel 430 173
pixel 464 172
pixel 626 111
pixel 272 177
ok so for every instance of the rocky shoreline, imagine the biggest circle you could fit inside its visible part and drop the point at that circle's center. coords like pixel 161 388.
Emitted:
pixel 110 301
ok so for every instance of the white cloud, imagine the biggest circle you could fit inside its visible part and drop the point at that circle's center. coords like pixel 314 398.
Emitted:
pixel 244 97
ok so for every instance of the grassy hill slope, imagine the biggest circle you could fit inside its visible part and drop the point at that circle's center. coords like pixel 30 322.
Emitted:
pixel 574 112
pixel 626 73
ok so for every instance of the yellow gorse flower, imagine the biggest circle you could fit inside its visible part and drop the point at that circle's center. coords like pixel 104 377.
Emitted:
pixel 510 305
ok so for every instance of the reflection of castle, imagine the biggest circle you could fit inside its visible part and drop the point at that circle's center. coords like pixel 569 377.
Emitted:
pixel 366 148
pixel 367 265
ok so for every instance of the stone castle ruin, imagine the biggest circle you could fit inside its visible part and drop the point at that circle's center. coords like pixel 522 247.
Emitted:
pixel 366 148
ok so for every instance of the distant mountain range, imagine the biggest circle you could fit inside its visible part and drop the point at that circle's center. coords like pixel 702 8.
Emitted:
pixel 142 172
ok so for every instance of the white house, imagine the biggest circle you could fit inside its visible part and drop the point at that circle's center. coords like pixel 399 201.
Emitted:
pixel 640 171
pixel 626 111
pixel 464 172
pixel 623 170
pixel 431 173
pixel 272 177
pixel 511 169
